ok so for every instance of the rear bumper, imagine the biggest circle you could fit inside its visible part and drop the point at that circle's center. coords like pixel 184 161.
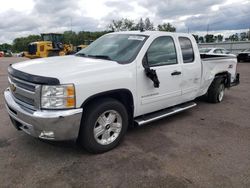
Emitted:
pixel 236 80
pixel 44 124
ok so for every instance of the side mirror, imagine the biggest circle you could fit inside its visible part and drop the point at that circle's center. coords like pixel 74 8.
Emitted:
pixel 150 73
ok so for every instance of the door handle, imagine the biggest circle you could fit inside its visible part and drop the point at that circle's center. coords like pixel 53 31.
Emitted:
pixel 175 73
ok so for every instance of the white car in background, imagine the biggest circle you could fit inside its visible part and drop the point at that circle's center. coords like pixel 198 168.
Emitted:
pixel 216 51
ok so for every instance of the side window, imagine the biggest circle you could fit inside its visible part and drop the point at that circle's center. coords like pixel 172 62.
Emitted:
pixel 162 52
pixel 223 51
pixel 186 49
pixel 217 51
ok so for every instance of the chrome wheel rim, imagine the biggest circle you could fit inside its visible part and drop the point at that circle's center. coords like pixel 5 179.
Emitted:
pixel 107 127
pixel 221 94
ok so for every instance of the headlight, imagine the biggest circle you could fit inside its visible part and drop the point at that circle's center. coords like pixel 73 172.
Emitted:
pixel 58 97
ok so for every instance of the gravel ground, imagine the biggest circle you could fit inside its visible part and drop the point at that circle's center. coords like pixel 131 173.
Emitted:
pixel 207 146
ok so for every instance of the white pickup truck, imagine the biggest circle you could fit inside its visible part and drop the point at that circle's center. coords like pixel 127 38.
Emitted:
pixel 121 79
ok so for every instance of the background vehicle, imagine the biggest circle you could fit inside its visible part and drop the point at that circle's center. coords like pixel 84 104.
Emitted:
pixel 51 45
pixel 21 54
pixel 244 56
pixel 215 51
pixel 121 79
pixel 6 53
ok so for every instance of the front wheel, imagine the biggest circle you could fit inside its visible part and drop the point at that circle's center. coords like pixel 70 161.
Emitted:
pixel 103 126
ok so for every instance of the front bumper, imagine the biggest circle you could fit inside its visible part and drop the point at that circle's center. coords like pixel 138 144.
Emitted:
pixel 45 124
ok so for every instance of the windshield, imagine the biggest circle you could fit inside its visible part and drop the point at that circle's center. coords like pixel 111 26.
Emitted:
pixel 204 50
pixel 52 37
pixel 122 48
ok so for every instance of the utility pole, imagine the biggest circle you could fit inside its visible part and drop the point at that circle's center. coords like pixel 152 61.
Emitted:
pixel 71 24
pixel 206 37
pixel 207 28
pixel 249 34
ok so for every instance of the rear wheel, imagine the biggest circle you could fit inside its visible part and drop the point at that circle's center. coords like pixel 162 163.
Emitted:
pixel 103 126
pixel 216 91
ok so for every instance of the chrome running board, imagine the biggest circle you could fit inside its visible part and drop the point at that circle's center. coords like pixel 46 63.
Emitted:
pixel 148 118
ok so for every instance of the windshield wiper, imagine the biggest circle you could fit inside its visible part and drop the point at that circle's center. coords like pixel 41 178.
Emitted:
pixel 94 56
pixel 100 56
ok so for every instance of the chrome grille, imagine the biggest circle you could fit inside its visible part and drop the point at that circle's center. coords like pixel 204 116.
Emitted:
pixel 21 84
pixel 25 93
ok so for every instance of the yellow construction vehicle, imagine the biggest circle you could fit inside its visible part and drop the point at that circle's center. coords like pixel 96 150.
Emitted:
pixel 86 43
pixel 51 45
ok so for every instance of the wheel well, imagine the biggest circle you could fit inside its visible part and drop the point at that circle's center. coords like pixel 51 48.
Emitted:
pixel 226 77
pixel 123 95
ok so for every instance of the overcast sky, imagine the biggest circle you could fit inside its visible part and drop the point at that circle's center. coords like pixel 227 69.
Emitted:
pixel 23 17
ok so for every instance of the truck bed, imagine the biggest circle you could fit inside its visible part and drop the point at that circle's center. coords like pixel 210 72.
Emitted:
pixel 213 64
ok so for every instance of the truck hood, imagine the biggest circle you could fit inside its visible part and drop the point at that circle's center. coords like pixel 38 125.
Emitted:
pixel 66 67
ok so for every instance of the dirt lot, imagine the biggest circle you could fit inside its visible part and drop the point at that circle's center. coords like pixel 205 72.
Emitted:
pixel 207 146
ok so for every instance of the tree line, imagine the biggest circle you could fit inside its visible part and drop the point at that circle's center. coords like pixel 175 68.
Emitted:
pixel 144 25
pixel 124 24
pixel 76 38
pixel 210 38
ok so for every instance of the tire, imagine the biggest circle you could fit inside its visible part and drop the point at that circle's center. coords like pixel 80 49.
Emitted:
pixel 216 91
pixel 103 125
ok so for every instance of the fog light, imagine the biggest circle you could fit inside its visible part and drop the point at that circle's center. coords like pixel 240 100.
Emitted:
pixel 49 135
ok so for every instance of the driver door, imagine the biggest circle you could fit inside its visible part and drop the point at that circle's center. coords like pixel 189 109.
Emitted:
pixel 162 57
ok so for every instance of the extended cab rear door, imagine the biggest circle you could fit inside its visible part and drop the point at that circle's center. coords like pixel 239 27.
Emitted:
pixel 162 56
pixel 191 67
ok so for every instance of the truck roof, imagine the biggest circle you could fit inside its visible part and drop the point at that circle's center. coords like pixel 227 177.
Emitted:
pixel 151 33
